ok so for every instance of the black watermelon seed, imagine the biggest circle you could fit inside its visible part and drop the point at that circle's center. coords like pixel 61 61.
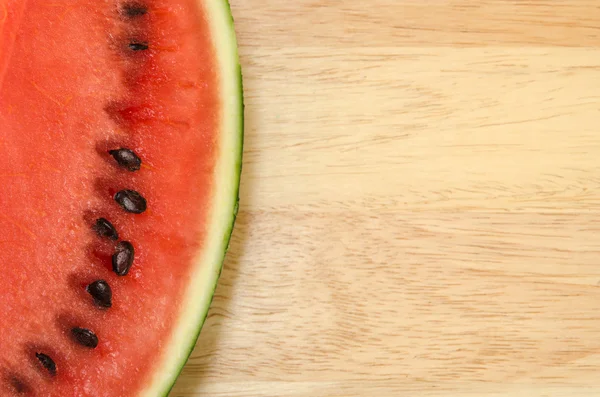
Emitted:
pixel 47 362
pixel 101 292
pixel 122 259
pixel 106 229
pixel 126 158
pixel 132 10
pixel 136 46
pixel 85 337
pixel 131 201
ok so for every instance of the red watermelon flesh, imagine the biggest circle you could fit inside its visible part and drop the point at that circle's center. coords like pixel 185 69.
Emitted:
pixel 79 78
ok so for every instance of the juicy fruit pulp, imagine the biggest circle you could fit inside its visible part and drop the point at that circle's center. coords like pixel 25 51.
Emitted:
pixel 78 80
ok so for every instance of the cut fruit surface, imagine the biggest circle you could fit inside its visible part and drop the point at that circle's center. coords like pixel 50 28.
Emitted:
pixel 120 156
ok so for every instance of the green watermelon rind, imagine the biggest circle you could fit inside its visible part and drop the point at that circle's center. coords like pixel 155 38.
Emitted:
pixel 223 31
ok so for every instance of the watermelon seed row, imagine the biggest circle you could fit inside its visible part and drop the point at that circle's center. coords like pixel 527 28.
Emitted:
pixel 122 259
pixel 129 200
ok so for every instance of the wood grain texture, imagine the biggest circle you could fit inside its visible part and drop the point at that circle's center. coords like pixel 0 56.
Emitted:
pixel 420 208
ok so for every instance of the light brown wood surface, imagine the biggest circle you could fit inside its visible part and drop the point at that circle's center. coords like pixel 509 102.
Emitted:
pixel 420 209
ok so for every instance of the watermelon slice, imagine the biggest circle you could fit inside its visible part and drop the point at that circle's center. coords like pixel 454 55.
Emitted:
pixel 120 157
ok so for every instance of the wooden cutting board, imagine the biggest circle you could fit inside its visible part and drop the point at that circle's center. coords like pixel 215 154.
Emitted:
pixel 420 209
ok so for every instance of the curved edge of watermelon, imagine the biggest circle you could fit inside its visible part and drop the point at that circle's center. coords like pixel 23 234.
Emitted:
pixel 228 168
